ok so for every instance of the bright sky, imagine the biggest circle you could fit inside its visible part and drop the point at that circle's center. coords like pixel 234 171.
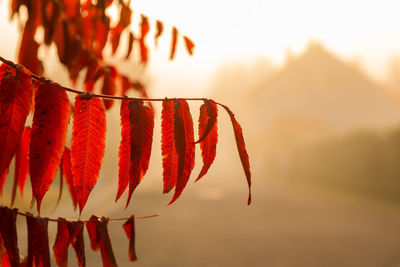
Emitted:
pixel 233 30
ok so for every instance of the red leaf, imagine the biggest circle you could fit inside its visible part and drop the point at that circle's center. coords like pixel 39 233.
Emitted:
pixel 87 149
pixel 141 138
pixel 107 253
pixel 144 29
pixel 159 31
pixel 99 238
pixel 131 39
pixel 184 143
pixel 91 227
pixel 60 247
pixel 174 40
pixel 169 156
pixel 2 181
pixel 125 85
pixel 28 51
pixel 67 173
pixel 241 146
pixel 115 37
pixel 189 45
pixel 75 230
pixel 49 134
pixel 15 100
pixel 38 242
pixel 124 150
pixel 8 233
pixel 208 134
pixel 21 163
pixel 109 87
pixel 129 227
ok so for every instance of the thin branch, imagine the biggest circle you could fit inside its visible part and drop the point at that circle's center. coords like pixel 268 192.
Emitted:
pixel 27 214
pixel 45 80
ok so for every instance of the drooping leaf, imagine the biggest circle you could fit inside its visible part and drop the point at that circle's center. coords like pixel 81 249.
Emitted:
pixel 15 100
pixel 159 31
pixel 184 143
pixel 67 173
pixel 8 234
pixel 60 247
pixel 99 238
pixel 109 86
pixel 189 45
pixel 124 150
pixel 241 146
pixel 28 51
pixel 87 149
pixel 38 242
pixel 75 230
pixel 107 253
pixel 144 29
pixel 3 180
pixel 49 134
pixel 169 156
pixel 174 41
pixel 131 39
pixel 51 12
pixel 129 227
pixel 141 139
pixel 91 227
pixel 21 163
pixel 208 134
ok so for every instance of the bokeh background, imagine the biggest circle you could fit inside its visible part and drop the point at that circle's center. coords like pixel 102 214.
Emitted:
pixel 316 88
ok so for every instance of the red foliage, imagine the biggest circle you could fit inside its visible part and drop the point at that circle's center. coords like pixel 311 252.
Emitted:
pixel 60 247
pixel 15 100
pixel 38 242
pixel 75 230
pixel 169 156
pixel 87 149
pixel 184 145
pixel 174 41
pixel 21 163
pixel 129 227
pixel 8 235
pixel 66 170
pixel 208 134
pixel 49 134
pixel 189 45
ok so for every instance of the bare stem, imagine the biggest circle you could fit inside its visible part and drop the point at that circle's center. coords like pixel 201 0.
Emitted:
pixel 27 214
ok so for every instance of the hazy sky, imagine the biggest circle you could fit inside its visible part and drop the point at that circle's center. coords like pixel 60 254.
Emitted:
pixel 244 30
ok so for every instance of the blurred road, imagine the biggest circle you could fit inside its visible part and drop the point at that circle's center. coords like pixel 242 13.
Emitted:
pixel 286 225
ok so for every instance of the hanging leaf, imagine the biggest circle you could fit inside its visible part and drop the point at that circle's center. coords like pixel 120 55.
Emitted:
pixel 38 242
pixel 2 181
pixel 60 247
pixel 141 139
pixel 49 134
pixel 189 45
pixel 109 86
pixel 28 51
pixel 208 134
pixel 131 39
pixel 67 173
pixel 124 150
pixel 129 227
pixel 174 41
pixel 15 100
pixel 169 156
pixel 75 230
pixel 144 29
pixel 241 146
pixel 99 238
pixel 159 31
pixel 87 149
pixel 184 143
pixel 8 234
pixel 21 163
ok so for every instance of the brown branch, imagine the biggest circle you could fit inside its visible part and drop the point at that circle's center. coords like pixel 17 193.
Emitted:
pixel 27 214
pixel 45 80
